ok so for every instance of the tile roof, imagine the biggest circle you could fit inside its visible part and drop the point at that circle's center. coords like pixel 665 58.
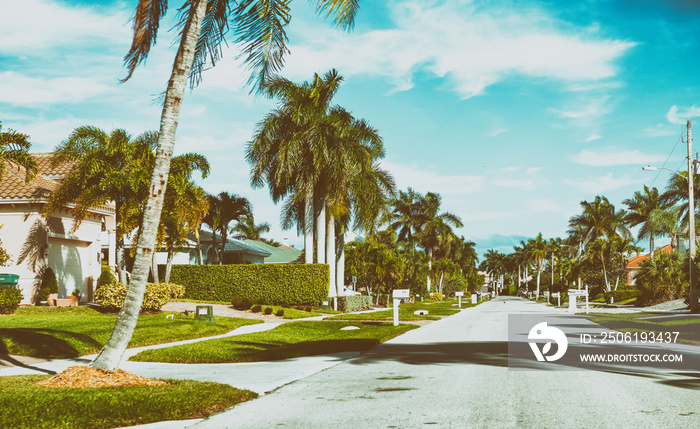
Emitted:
pixel 278 255
pixel 636 262
pixel 13 185
pixel 43 161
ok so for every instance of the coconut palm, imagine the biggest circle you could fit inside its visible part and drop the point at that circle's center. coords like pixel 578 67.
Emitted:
pixel 538 251
pixel 640 207
pixel 14 147
pixel 260 31
pixel 598 219
pixel 248 229
pixel 107 168
pixel 230 208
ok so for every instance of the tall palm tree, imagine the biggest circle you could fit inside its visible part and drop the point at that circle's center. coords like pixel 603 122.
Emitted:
pixel 14 147
pixel 259 29
pixel 640 207
pixel 107 168
pixel 538 251
pixel 598 219
pixel 403 216
pixel 248 229
pixel 230 208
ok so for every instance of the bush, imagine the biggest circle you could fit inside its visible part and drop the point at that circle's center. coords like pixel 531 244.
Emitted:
pixel 257 308
pixel 437 296
pixel 268 310
pixel 241 303
pixel 348 304
pixel 620 295
pixel 276 284
pixel 176 290
pixel 106 277
pixel 10 297
pixel 280 312
pixel 111 296
pixel 49 284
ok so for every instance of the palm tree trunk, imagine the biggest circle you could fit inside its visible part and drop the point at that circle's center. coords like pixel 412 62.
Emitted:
pixel 651 246
pixel 340 262
pixel 330 255
pixel 309 229
pixel 539 272
pixel 200 257
pixel 321 235
pixel 442 275
pixel 430 266
pixel 154 268
pixel 112 353
pixel 169 265
pixel 224 240
pixel 119 256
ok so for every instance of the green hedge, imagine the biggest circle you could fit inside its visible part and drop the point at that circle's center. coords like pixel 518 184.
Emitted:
pixel 10 297
pixel 278 284
pixel 348 304
pixel 621 295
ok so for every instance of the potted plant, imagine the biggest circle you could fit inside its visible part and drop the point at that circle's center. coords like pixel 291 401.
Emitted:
pixel 74 298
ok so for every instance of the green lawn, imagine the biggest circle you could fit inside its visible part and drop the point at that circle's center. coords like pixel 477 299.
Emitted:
pixel 404 315
pixel 23 404
pixel 75 331
pixel 687 326
pixel 286 341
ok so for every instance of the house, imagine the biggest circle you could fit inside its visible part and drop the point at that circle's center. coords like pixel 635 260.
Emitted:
pixel 278 255
pixel 35 242
pixel 635 263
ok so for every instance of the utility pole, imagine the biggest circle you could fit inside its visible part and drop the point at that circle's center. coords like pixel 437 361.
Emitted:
pixel 693 295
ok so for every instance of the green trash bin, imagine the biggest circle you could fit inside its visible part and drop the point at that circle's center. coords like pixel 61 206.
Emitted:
pixel 9 280
pixel 204 313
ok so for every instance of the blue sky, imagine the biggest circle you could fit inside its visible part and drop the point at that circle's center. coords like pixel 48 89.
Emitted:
pixel 514 111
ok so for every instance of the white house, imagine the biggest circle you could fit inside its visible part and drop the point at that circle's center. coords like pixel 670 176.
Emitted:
pixel 35 242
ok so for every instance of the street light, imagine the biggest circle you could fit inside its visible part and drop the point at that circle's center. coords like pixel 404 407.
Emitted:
pixel 693 294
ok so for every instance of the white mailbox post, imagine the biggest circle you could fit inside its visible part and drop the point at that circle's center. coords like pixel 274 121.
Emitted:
pixel 459 295
pixel 474 298
pixel 398 295
pixel 573 293
pixel 557 295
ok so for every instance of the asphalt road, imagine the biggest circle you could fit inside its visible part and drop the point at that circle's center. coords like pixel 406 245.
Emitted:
pixel 454 374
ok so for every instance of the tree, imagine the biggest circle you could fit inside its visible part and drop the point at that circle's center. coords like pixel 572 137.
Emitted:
pixel 538 251
pixel 248 229
pixel 260 31
pixel 14 147
pixel 230 207
pixel 640 208
pixel 106 168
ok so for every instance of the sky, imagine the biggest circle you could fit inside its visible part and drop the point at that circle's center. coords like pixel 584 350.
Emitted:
pixel 514 111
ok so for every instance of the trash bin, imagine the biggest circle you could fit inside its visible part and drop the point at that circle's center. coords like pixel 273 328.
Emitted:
pixel 9 280
pixel 204 313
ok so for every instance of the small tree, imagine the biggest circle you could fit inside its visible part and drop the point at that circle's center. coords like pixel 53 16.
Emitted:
pixel 49 284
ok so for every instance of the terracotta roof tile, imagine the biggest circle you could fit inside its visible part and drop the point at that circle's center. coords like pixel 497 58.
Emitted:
pixel 43 161
pixel 13 186
pixel 636 262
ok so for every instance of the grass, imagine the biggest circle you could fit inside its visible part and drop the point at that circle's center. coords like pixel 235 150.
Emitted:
pixel 404 315
pixel 75 331
pixel 23 404
pixel 687 326
pixel 286 341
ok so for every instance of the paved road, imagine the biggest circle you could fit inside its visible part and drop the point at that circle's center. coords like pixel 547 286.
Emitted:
pixel 454 374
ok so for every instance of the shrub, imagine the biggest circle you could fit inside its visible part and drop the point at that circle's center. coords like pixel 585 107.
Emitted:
pixel 106 277
pixel 268 310
pixel 280 312
pixel 308 309
pixel 49 284
pixel 437 296
pixel 257 308
pixel 176 290
pixel 275 284
pixel 241 303
pixel 348 304
pixel 111 296
pixel 620 295
pixel 10 298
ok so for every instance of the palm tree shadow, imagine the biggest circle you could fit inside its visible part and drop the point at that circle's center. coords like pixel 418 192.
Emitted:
pixel 45 343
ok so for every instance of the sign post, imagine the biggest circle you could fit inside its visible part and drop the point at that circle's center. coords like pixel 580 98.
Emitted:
pixel 398 295
pixel 573 293
pixel 459 295
pixel 557 295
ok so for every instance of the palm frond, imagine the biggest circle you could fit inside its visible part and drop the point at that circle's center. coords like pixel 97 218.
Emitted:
pixel 146 22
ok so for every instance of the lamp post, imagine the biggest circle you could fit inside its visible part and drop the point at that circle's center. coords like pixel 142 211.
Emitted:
pixel 693 295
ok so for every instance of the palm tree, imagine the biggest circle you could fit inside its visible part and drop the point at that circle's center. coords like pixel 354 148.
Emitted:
pixel 433 226
pixel 538 251
pixel 640 207
pixel 14 147
pixel 107 168
pixel 403 216
pixel 248 229
pixel 260 31
pixel 598 219
pixel 229 208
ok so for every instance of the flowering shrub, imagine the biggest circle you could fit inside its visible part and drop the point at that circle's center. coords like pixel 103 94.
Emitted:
pixel 111 296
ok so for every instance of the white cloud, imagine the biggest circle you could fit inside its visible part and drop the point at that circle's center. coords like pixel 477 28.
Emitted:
pixel 602 184
pixel 518 177
pixel 474 45
pixel 20 89
pixel 602 159
pixel 425 179
pixel 585 110
pixel 679 116
pixel 496 132
pixel 542 205
pixel 659 130
pixel 40 25
pixel 593 137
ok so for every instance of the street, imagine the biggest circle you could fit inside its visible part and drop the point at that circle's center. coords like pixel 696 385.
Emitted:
pixel 454 374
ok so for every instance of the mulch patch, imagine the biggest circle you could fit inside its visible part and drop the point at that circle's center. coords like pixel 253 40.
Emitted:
pixel 85 377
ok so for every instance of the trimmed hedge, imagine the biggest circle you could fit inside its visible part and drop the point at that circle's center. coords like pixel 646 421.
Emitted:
pixel 49 284
pixel 621 295
pixel 348 304
pixel 278 284
pixel 10 297
pixel 111 296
